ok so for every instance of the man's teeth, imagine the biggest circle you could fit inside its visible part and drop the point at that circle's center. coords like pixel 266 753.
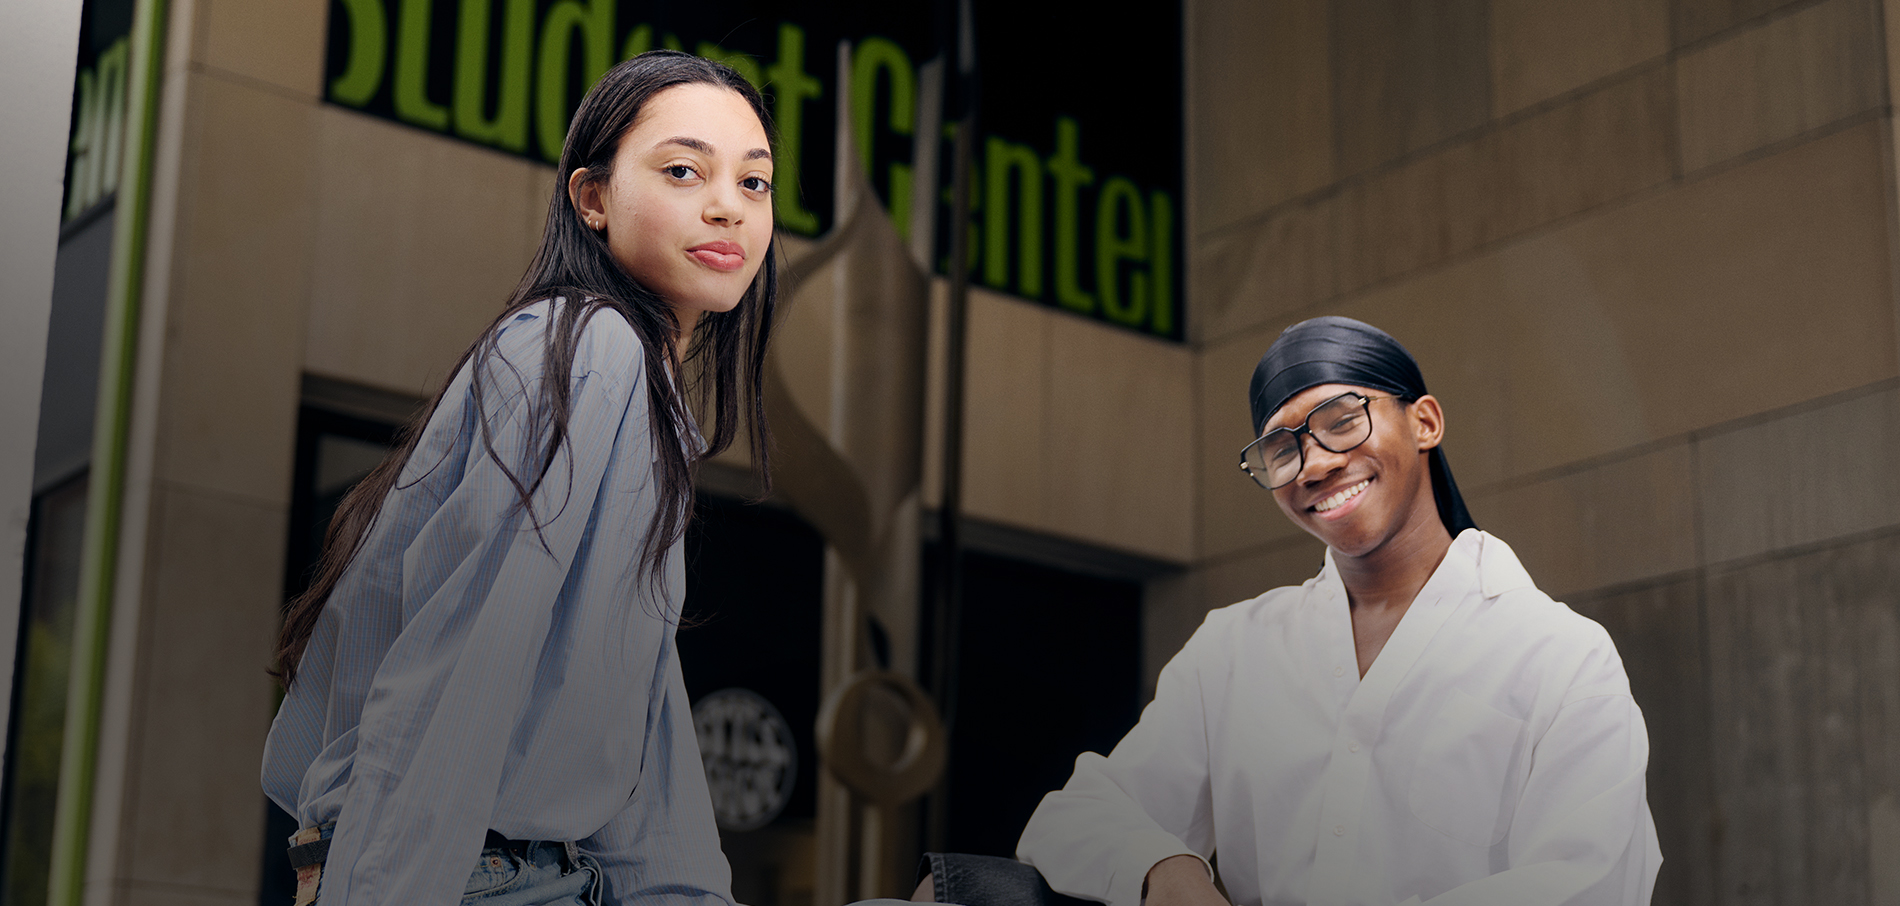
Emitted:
pixel 1341 497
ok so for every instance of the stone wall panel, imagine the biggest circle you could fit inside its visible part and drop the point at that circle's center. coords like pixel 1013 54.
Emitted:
pixel 1659 634
pixel 1406 75
pixel 1768 84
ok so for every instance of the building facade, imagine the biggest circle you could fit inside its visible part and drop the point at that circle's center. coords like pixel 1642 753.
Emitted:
pixel 1645 251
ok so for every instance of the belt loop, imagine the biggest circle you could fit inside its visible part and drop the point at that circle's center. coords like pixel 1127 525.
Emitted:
pixel 597 885
pixel 309 847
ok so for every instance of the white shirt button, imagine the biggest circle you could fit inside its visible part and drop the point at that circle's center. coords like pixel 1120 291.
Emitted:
pixel 1339 671
pixel 1352 747
pixel 1339 830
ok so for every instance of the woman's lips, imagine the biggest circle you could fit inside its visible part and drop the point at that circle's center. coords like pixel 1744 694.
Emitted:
pixel 720 256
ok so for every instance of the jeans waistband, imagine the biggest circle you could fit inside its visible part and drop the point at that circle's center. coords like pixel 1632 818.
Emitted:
pixel 307 848
pixel 540 861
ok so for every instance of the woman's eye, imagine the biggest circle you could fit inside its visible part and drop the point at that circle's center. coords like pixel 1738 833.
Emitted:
pixel 680 171
pixel 756 184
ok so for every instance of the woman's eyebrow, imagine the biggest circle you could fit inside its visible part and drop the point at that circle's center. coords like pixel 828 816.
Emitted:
pixel 706 148
pixel 693 143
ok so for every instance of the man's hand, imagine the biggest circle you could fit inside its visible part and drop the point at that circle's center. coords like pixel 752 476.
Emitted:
pixel 1180 881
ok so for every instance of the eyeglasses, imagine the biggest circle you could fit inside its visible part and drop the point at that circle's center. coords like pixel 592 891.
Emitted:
pixel 1339 424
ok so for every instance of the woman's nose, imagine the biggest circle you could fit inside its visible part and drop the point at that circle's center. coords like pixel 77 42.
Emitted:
pixel 725 207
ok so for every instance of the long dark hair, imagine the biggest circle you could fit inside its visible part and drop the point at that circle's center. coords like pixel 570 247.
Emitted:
pixel 725 361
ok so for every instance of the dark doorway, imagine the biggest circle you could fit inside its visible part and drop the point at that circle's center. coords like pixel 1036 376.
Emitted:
pixel 1049 666
pixel 754 604
pixel 754 600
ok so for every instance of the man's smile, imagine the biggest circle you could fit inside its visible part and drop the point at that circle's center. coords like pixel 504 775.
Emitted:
pixel 1341 497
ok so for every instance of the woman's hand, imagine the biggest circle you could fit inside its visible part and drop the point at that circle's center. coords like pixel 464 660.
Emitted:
pixel 1180 881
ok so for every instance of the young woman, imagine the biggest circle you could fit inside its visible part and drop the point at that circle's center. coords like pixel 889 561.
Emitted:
pixel 483 675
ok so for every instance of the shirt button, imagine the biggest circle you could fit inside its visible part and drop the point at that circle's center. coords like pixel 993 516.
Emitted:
pixel 1339 830
pixel 1352 747
pixel 1339 671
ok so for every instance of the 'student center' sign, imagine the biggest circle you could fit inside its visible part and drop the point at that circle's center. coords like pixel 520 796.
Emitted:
pixel 1077 170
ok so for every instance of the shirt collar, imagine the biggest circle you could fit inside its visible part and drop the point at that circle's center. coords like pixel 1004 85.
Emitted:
pixel 1498 568
pixel 1474 553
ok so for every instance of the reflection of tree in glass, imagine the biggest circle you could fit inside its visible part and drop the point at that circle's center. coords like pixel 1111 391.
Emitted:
pixel 45 655
pixel 750 758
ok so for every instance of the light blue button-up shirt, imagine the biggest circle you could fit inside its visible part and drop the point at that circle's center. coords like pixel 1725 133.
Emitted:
pixel 469 672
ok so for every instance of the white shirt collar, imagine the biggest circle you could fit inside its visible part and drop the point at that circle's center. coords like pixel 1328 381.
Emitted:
pixel 1495 564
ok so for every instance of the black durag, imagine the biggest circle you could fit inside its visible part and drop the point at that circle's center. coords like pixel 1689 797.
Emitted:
pixel 1335 350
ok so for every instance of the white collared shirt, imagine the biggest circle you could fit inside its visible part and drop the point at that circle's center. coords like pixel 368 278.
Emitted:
pixel 1491 754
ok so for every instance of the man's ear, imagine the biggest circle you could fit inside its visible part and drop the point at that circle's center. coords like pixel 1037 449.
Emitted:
pixel 1429 419
pixel 588 197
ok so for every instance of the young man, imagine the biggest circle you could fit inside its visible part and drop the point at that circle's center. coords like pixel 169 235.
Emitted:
pixel 1416 723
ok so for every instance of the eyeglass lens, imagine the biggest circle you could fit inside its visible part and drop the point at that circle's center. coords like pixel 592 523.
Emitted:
pixel 1339 424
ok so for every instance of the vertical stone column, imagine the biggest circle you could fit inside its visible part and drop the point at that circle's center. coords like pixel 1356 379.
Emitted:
pixel 220 347
pixel 850 438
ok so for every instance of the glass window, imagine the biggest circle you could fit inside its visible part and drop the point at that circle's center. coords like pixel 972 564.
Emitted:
pixel 55 534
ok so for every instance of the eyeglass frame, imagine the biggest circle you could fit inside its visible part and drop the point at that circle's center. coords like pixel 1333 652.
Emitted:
pixel 1306 428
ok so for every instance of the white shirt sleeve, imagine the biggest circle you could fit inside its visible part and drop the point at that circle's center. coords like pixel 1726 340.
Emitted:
pixel 1150 799
pixel 1582 833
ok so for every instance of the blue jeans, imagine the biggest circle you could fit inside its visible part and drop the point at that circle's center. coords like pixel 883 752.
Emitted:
pixel 528 873
pixel 991 881
pixel 540 874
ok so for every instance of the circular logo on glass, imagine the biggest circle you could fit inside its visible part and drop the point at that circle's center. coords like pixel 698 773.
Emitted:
pixel 751 759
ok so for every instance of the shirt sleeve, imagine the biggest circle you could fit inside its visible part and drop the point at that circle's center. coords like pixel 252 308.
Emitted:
pixel 1150 799
pixel 479 584
pixel 663 848
pixel 1582 834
